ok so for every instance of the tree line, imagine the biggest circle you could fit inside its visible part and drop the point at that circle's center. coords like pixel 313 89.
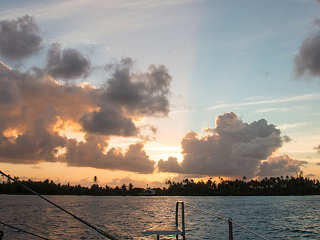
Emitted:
pixel 298 185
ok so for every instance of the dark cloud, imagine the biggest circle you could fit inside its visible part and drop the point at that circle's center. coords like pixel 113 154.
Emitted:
pixel 233 148
pixel 126 96
pixel 280 166
pixel 67 64
pixel 19 38
pixel 124 63
pixel 318 163
pixel 31 147
pixel 142 94
pixel 316 22
pixel 308 59
pixel 90 154
pixel 31 95
pixel 109 121
pixel 171 165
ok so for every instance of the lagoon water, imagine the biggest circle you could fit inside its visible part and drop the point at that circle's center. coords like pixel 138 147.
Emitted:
pixel 275 217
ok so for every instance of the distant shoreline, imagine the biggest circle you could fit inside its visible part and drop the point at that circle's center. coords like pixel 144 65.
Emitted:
pixel 273 186
pixel 292 195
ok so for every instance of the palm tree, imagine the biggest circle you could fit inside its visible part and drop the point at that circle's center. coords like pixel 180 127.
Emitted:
pixel 130 187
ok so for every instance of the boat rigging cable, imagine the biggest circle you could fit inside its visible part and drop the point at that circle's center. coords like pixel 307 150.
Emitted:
pixel 227 220
pixel 101 232
pixel 23 231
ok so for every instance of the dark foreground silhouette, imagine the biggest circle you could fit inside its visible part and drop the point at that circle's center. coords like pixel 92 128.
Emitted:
pixel 268 186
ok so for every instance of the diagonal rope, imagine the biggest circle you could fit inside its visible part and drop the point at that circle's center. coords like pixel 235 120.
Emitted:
pixel 248 230
pixel 101 232
pixel 207 212
pixel 23 231
pixel 227 220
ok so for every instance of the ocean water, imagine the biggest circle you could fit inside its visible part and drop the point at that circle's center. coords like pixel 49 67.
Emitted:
pixel 276 217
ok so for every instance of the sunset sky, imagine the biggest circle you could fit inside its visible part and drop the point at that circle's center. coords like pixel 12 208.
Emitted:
pixel 143 91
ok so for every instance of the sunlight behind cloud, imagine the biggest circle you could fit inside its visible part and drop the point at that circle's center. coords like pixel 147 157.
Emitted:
pixel 69 129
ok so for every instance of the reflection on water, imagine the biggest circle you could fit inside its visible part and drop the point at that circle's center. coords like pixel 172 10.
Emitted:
pixel 294 217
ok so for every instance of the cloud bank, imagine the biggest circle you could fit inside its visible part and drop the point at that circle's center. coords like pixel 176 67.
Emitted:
pixel 233 148
pixel 280 166
pixel 36 110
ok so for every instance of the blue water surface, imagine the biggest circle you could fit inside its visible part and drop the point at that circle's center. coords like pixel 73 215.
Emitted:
pixel 275 217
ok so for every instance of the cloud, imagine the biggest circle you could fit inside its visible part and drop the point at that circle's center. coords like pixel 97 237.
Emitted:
pixel 171 165
pixel 66 64
pixel 31 147
pixel 316 22
pixel 139 93
pixel 305 97
pixel 317 148
pixel 308 59
pixel 280 166
pixel 109 121
pixel 291 125
pixel 127 95
pixel 233 148
pixel 90 154
pixel 35 111
pixel 19 38
pixel 266 110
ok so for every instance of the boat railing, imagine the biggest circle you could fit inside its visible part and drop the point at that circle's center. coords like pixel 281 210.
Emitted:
pixel 169 230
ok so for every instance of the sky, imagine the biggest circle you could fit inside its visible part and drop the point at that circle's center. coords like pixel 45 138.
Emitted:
pixel 145 91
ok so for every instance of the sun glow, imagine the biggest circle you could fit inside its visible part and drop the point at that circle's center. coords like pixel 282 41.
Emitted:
pixel 159 151
pixel 69 129
pixel 60 151
pixel 11 132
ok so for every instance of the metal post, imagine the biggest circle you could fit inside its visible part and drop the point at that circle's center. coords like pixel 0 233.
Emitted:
pixel 177 213
pixel 158 237
pixel 230 229
pixel 177 216
pixel 182 219
pixel 1 234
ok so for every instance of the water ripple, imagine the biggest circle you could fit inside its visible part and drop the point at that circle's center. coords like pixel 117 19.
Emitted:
pixel 294 217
